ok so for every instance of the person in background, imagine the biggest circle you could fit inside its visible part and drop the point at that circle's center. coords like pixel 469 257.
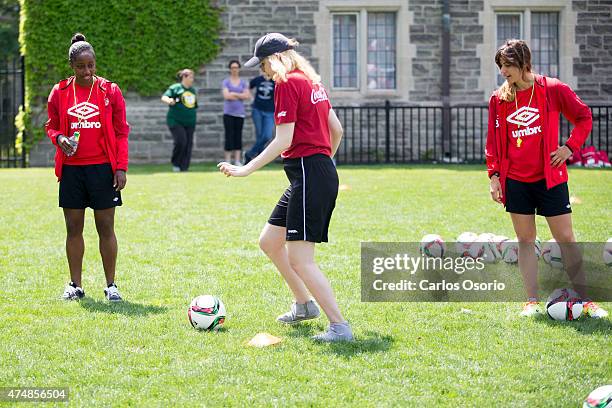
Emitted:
pixel 235 92
pixel 181 119
pixel 263 114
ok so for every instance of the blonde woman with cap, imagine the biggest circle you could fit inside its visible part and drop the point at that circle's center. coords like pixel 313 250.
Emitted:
pixel 308 134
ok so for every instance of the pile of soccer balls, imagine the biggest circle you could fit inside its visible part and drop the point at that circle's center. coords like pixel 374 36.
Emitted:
pixel 492 248
pixel 562 304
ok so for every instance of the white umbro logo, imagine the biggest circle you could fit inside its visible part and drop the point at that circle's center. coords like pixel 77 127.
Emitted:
pixel 292 231
pixel 282 114
pixel 116 199
pixel 84 110
pixel 568 206
pixel 525 116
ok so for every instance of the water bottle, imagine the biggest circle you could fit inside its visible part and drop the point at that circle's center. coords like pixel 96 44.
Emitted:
pixel 74 141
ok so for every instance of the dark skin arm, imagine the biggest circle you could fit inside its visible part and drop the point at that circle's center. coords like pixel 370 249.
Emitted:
pixel 120 180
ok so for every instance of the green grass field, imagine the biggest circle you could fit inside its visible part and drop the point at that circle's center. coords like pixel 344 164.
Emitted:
pixel 182 235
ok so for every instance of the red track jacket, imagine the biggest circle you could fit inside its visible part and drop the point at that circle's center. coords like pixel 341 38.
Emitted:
pixel 112 117
pixel 553 97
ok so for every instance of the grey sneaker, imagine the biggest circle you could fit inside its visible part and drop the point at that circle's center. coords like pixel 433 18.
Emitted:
pixel 112 294
pixel 300 312
pixel 336 332
pixel 73 292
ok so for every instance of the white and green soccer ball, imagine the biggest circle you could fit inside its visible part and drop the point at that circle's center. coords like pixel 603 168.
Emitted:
pixel 599 398
pixel 607 252
pixel 206 312
pixel 509 251
pixel 538 247
pixel 499 239
pixel 564 304
pixel 551 253
pixel 464 240
pixel 484 248
pixel 432 245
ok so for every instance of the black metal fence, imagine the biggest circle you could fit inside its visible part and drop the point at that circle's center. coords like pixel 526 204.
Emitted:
pixel 11 97
pixel 414 134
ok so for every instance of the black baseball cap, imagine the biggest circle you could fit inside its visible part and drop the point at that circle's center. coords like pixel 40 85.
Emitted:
pixel 267 45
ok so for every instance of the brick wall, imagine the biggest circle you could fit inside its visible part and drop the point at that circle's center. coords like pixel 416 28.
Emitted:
pixel 593 67
pixel 246 20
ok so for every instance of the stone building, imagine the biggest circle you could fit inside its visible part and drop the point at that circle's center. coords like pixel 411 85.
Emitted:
pixel 371 51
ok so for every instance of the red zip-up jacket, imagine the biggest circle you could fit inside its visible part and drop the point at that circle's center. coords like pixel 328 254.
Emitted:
pixel 553 97
pixel 112 118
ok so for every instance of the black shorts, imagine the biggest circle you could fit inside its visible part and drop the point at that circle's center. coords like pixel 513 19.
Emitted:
pixel 233 132
pixel 534 198
pixel 88 186
pixel 305 208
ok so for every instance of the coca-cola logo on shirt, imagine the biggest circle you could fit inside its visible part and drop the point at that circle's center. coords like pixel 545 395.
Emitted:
pixel 318 95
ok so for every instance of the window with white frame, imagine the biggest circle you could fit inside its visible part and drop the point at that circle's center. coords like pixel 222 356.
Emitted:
pixel 345 51
pixel 364 48
pixel 540 29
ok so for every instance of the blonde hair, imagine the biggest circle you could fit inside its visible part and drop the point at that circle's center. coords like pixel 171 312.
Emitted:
pixel 516 53
pixel 284 62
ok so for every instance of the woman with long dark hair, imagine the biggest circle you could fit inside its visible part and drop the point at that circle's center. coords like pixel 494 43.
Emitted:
pixel 526 165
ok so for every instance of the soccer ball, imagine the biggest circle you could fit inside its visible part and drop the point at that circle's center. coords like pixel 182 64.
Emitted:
pixel 206 312
pixel 607 253
pixel 564 304
pixel 499 240
pixel 483 249
pixel 464 240
pixel 432 245
pixel 599 398
pixel 538 247
pixel 551 252
pixel 491 253
pixel 509 251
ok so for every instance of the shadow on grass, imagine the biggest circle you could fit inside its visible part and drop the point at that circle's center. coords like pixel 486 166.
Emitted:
pixel 124 307
pixel 584 326
pixel 370 342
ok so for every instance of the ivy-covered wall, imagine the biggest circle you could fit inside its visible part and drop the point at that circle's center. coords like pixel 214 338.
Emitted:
pixel 140 45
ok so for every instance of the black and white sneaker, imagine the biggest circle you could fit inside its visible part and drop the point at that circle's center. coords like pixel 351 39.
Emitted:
pixel 73 292
pixel 112 294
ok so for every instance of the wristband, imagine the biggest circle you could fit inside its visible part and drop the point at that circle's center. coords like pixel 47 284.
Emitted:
pixel 570 149
pixel 495 174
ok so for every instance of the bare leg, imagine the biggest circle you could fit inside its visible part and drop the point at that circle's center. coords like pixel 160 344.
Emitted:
pixel 237 155
pixel 272 242
pixel 301 259
pixel 227 154
pixel 525 228
pixel 561 229
pixel 105 224
pixel 75 245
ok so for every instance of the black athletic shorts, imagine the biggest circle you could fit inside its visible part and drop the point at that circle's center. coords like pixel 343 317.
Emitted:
pixel 305 208
pixel 534 198
pixel 88 186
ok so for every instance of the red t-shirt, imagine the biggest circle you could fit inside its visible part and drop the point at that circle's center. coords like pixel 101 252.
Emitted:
pixel 91 140
pixel 526 160
pixel 299 100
